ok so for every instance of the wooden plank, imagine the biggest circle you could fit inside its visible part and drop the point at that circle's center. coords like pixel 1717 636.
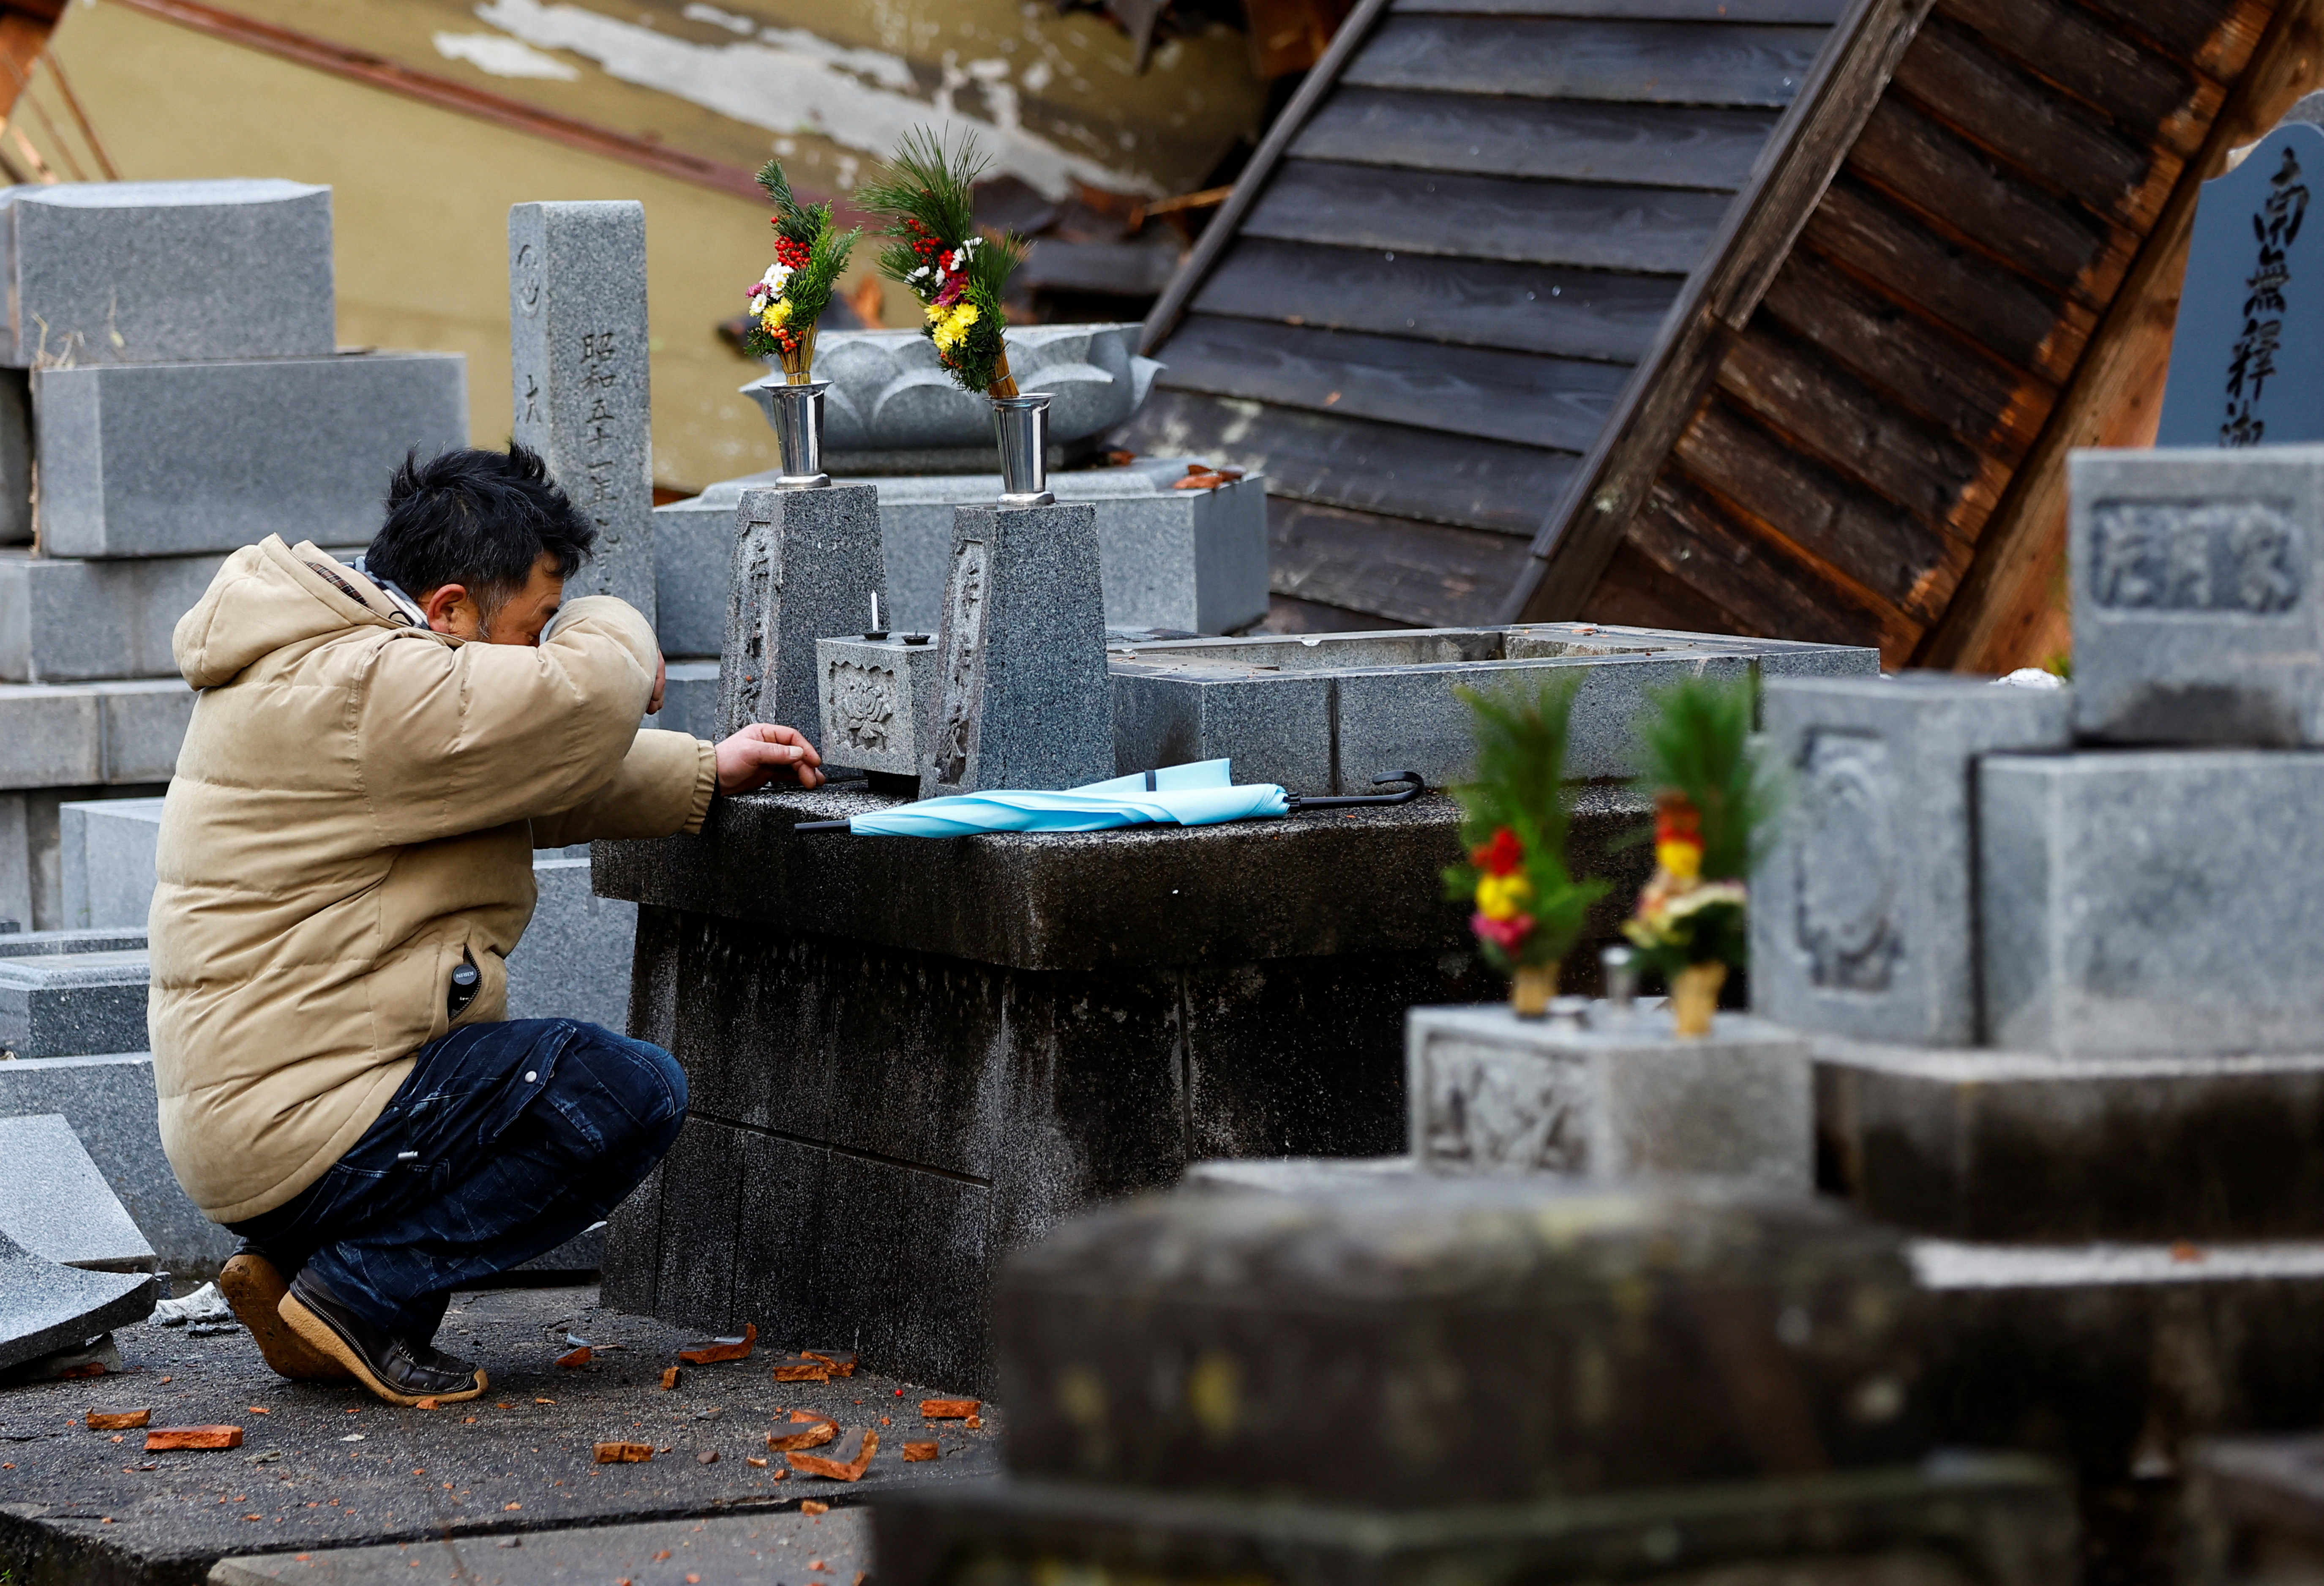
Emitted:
pixel 1997 410
pixel 1285 615
pixel 1554 403
pixel 1652 145
pixel 1963 194
pixel 1634 591
pixel 1567 313
pixel 2017 321
pixel 1320 80
pixel 1860 434
pixel 2215 37
pixel 1806 150
pixel 1814 12
pixel 1425 574
pixel 1655 230
pixel 1875 543
pixel 2152 97
pixel 2008 610
pixel 1642 62
pixel 2040 132
pixel 1772 593
pixel 1357 462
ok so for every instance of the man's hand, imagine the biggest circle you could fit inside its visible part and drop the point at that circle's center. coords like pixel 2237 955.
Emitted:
pixel 661 682
pixel 759 754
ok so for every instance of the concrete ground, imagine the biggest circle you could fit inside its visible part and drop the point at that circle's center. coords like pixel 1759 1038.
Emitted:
pixel 331 1468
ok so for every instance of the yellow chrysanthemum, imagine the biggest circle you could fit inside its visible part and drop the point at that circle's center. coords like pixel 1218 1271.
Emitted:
pixel 777 314
pixel 1680 858
pixel 1503 897
pixel 951 325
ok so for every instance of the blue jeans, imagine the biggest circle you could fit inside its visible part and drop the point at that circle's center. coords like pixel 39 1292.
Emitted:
pixel 506 1140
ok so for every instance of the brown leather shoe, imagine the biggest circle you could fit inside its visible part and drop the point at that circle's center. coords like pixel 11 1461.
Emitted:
pixel 255 1288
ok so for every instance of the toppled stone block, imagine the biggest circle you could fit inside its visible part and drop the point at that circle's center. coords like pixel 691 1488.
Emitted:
pixel 81 734
pixel 167 272
pixel 1973 1144
pixel 45 1307
pixel 2199 596
pixel 109 1100
pixel 55 1204
pixel 2157 903
pixel 1456 1341
pixel 807 566
pixel 1620 1097
pixel 70 619
pixel 872 690
pixel 177 459
pixel 580 381
pixel 1862 916
pixel 1021 697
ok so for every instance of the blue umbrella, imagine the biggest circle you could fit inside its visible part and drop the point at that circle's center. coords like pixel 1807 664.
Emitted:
pixel 1202 794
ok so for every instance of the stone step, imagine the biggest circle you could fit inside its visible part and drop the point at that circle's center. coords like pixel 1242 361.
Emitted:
pixel 177 459
pixel 70 620
pixel 1975 1144
pixel 70 1004
pixel 1997 1520
pixel 76 735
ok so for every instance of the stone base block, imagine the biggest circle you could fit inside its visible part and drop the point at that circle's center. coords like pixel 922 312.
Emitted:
pixel 109 1102
pixel 2151 903
pixel 689 700
pixel 67 620
pixel 68 1004
pixel 1966 1520
pixel 1457 1342
pixel 71 734
pixel 1617 1098
pixel 159 272
pixel 574 961
pixel 873 693
pixel 106 852
pixel 177 459
pixel 2112 1356
pixel 1980 1145
pixel 54 1203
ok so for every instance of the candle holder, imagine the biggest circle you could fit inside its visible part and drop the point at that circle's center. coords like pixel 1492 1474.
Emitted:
pixel 1020 423
pixel 796 412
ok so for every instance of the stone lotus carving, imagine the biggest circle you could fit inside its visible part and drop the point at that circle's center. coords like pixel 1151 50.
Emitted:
pixel 1489 1110
pixel 888 394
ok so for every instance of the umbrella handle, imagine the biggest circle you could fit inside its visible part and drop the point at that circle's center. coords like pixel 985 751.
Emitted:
pixel 1414 784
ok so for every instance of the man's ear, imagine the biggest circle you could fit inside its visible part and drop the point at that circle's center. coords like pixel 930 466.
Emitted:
pixel 442 607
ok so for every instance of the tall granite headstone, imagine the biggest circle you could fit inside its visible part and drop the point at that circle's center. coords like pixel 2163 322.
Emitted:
pixel 807 564
pixel 578 374
pixel 2249 344
pixel 2198 618
pixel 1021 696
pixel 1863 914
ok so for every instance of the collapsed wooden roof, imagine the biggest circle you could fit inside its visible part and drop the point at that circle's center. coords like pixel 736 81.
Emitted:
pixel 1771 317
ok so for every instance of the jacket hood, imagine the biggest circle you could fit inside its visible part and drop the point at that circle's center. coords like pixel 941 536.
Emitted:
pixel 268 596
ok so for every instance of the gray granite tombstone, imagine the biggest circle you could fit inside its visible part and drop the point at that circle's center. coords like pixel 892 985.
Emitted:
pixel 2198 614
pixel 579 381
pixel 806 565
pixel 1021 696
pixel 2245 359
pixel 45 1307
pixel 1862 918
pixel 55 1203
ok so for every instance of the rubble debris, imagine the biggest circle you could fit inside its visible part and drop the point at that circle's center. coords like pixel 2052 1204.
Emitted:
pixel 915 1452
pixel 624 1453
pixel 708 1456
pixel 808 1506
pixel 577 1358
pixel 950 1409
pixel 723 1349
pixel 840 1361
pixel 204 1305
pixel 118 1420
pixel 754 1462
pixel 669 1377
pixel 836 1469
pixel 185 1437
pixel 817 1431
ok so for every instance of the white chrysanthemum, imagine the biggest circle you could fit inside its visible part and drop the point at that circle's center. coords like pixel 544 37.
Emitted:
pixel 776 276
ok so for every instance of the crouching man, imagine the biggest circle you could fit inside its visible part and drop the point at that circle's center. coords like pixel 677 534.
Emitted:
pixel 345 864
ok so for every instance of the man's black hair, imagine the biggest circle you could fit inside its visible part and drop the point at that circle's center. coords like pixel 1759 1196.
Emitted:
pixel 479 518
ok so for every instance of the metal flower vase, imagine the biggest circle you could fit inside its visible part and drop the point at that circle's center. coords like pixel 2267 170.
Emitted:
pixel 1531 989
pixel 1020 424
pixel 797 411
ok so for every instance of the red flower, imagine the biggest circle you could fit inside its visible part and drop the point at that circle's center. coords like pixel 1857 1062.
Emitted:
pixel 1504 933
pixel 1498 857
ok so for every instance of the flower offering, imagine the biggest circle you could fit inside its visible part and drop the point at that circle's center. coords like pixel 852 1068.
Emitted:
pixel 786 302
pixel 935 252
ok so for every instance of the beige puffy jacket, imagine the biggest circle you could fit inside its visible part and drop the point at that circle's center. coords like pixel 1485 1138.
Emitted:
pixel 355 811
